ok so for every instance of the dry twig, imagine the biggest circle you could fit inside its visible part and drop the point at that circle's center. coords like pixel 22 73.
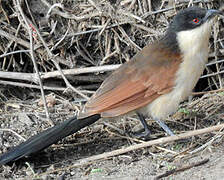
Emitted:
pixel 163 140
pixel 179 169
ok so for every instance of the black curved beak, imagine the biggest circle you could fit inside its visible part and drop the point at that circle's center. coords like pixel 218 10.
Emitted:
pixel 212 13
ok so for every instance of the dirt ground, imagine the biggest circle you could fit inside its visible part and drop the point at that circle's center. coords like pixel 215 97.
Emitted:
pixel 56 162
pixel 88 33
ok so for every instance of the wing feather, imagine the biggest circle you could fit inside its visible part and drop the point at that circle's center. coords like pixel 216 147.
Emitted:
pixel 136 83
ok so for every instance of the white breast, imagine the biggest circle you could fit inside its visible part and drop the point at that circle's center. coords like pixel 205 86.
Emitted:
pixel 194 47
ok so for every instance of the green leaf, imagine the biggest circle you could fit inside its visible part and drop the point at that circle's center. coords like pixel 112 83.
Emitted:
pixel 96 170
pixel 184 110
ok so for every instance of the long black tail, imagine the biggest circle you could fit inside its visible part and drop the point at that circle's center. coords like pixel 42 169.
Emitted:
pixel 47 138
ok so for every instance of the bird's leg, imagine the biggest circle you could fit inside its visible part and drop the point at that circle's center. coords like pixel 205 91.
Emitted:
pixel 146 132
pixel 164 126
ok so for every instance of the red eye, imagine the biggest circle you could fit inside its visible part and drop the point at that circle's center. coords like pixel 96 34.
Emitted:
pixel 196 20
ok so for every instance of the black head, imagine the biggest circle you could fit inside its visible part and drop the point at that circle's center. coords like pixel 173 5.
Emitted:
pixel 191 18
pixel 186 20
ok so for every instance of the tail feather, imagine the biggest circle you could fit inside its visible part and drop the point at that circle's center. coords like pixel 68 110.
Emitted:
pixel 47 138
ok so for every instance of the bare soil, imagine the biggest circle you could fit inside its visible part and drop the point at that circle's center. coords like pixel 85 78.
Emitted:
pixel 88 33
pixel 148 163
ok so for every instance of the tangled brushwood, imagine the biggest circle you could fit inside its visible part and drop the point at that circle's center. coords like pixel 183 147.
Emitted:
pixel 53 56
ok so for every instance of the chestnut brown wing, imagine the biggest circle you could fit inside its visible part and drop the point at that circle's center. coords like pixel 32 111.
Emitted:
pixel 138 82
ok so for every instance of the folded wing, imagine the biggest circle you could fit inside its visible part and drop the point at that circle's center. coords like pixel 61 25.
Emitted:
pixel 136 83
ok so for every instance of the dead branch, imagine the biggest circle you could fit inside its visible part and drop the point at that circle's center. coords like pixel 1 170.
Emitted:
pixel 163 140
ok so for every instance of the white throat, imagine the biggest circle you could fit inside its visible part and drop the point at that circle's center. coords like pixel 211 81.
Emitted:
pixel 194 47
pixel 192 41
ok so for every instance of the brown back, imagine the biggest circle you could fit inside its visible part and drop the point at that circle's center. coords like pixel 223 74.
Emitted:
pixel 149 74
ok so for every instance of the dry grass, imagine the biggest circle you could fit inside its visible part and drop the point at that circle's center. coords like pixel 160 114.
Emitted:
pixel 73 46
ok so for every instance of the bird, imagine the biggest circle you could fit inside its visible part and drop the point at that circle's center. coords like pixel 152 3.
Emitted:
pixel 152 83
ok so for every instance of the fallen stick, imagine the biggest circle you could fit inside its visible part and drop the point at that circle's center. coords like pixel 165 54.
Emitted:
pixel 85 70
pixel 163 140
pixel 151 143
pixel 195 164
pixel 31 77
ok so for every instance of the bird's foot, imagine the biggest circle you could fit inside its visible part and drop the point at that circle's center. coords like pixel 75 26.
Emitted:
pixel 165 127
pixel 142 134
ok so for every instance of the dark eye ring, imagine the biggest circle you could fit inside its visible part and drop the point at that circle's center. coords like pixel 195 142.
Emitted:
pixel 195 20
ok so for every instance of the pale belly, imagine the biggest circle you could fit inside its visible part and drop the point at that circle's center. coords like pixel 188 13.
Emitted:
pixel 187 77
